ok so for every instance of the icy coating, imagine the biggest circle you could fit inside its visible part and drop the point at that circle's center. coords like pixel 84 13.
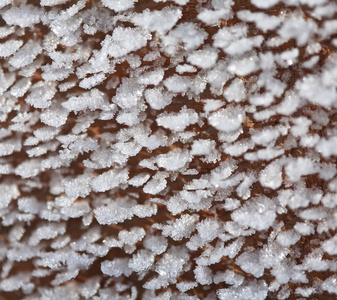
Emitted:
pixel 168 149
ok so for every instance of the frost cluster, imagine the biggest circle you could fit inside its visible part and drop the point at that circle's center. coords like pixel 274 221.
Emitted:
pixel 159 149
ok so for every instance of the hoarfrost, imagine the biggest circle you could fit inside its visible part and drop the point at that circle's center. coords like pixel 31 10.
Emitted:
pixel 227 119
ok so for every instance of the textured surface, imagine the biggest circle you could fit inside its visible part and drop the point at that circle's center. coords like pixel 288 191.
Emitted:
pixel 159 149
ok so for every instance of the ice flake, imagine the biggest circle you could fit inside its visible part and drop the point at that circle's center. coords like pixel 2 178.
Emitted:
pixel 328 147
pixel 126 40
pixel 329 284
pixel 28 168
pixel 173 160
pixel 136 234
pixel 78 187
pixel 40 94
pixel 211 17
pixel 202 147
pixel 186 286
pixel 141 261
pixel 244 67
pixel 25 55
pixel 298 28
pixel 29 205
pixel 54 116
pixel 116 268
pixel 243 45
pixel 180 228
pixel 330 246
pixel 288 238
pixel 139 180
pixel 156 243
pixel 227 35
pixel 115 212
pixel 203 275
pixel 46 232
pixel 153 77
pixel 218 76
pixel 296 168
pixel 90 82
pixel 258 214
pixel 17 282
pixel 46 133
pixel 263 21
pixel 23 15
pixel 178 84
pixel 160 21
pixel 144 211
pixel 178 121
pixel 264 4
pixel 172 263
pixel 229 277
pixel 8 192
pixel 63 277
pixel 304 228
pixel 20 87
pixel 209 229
pixel 6 149
pixel 128 94
pixel 185 68
pixel 250 263
pixel 76 210
pixel 119 5
pixel 52 2
pixel 236 91
pixel 253 289
pixel 262 99
pixel 238 148
pixel 227 119
pixel 271 176
pixel 156 184
pixel 92 101
pixel 315 213
pixel 205 58
pixel 188 33
pixel 9 47
pixel 109 180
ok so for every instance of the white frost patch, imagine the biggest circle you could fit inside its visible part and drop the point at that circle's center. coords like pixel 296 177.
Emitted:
pixel 157 98
pixel 116 268
pixel 209 229
pixel 119 5
pixel 23 15
pixel 180 228
pixel 115 212
pixel 46 232
pixel 328 147
pixel 227 119
pixel 160 21
pixel 296 168
pixel 178 121
pixel 188 33
pixel 141 261
pixel 173 160
pixel 330 246
pixel 271 176
pixel 109 180
pixel 125 40
pixel 205 58
pixel 236 91
pixel 9 47
pixel 288 238
pixel 258 214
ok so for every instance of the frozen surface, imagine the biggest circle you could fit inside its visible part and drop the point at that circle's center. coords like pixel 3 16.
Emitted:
pixel 162 149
